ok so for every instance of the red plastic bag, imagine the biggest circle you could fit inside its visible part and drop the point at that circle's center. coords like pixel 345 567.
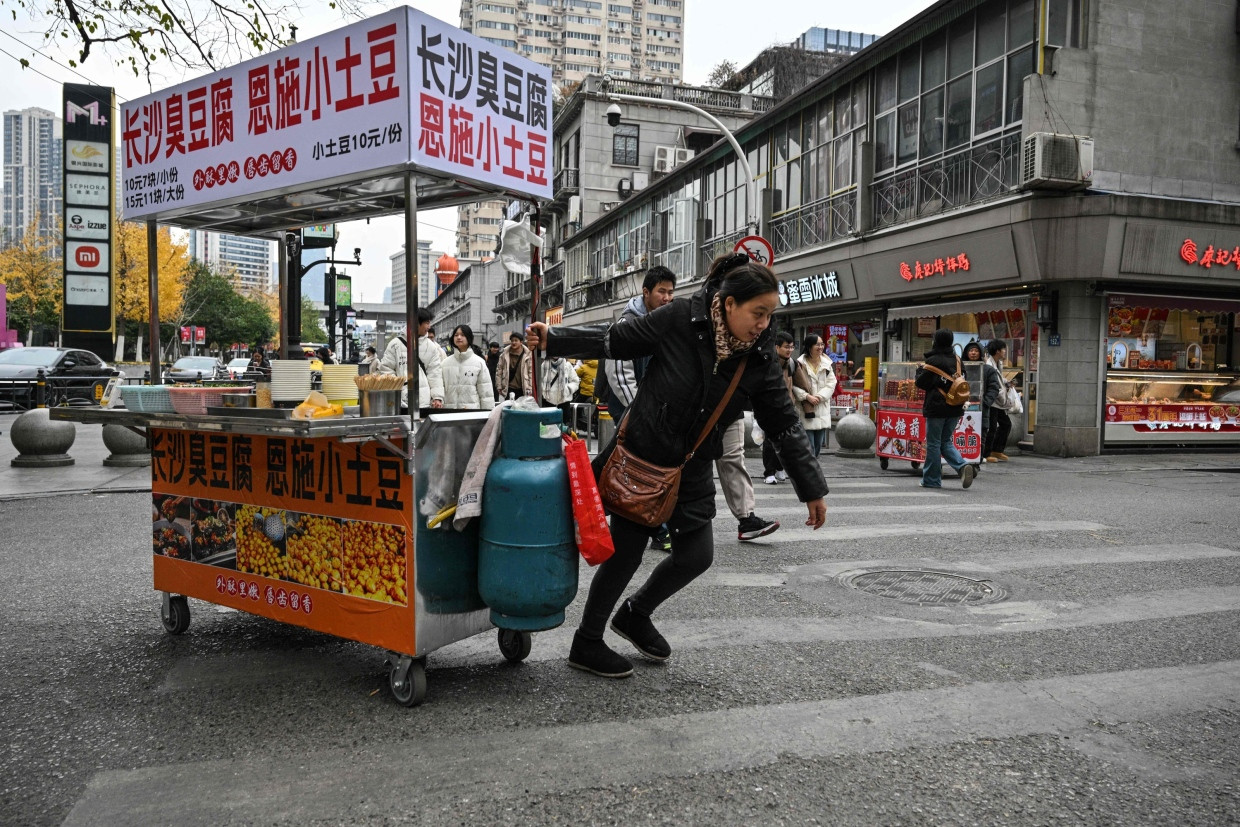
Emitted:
pixel 590 523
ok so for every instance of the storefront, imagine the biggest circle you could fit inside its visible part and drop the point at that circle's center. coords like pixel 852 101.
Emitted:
pixel 1006 318
pixel 1167 358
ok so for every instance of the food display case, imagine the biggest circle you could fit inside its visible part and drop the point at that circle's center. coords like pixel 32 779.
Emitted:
pixel 901 426
pixel 1170 406
pixel 850 397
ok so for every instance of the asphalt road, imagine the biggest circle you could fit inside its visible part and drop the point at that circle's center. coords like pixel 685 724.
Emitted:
pixel 1101 686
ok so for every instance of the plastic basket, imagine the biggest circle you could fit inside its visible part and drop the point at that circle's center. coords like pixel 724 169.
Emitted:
pixel 147 398
pixel 195 401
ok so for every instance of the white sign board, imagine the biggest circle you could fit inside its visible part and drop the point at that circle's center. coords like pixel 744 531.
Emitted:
pixel 398 88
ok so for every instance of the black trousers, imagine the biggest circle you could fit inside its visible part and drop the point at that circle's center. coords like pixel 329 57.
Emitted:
pixel 770 458
pixel 693 551
pixel 997 433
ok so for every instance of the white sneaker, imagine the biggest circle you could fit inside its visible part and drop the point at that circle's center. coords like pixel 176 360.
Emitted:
pixel 782 476
pixel 770 480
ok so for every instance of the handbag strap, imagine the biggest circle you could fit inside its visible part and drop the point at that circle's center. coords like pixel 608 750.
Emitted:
pixel 714 417
pixel 943 373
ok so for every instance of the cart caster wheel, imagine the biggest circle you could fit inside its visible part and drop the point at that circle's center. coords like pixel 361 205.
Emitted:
pixel 407 679
pixel 882 463
pixel 916 466
pixel 175 614
pixel 513 645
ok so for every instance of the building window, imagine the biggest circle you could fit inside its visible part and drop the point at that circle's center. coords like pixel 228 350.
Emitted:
pixel 624 145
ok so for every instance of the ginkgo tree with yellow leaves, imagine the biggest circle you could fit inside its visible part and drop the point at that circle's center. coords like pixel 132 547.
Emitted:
pixel 33 277
pixel 132 280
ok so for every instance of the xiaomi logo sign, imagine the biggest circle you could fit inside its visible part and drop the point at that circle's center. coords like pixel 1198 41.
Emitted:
pixel 86 256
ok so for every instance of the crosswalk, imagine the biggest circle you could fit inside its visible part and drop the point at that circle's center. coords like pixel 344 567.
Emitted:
pixel 778 611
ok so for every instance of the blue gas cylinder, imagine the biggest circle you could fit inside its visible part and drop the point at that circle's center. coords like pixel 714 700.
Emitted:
pixel 527 557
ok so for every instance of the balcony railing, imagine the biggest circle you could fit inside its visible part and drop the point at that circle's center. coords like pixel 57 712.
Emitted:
pixel 722 245
pixel 970 176
pixel 819 223
pixel 512 295
pixel 566 182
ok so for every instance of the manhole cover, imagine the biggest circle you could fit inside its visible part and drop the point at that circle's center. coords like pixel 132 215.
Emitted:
pixel 926 588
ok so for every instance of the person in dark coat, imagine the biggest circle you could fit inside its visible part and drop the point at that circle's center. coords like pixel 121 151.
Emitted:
pixel 492 357
pixel 941 418
pixel 698 343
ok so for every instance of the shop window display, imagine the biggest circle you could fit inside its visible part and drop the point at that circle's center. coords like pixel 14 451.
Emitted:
pixel 1165 367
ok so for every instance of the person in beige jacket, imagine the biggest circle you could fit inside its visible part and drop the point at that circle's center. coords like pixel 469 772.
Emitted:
pixel 521 381
pixel 813 385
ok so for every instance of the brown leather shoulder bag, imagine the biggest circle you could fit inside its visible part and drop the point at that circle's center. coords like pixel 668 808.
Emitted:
pixel 641 491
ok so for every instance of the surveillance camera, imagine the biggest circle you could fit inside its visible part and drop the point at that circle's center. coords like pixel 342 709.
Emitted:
pixel 613 115
pixel 357 252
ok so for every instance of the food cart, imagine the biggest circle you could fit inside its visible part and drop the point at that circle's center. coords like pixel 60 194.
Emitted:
pixel 901 427
pixel 316 522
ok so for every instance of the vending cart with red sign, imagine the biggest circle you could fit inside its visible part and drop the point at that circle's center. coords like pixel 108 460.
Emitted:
pixel 901 425
pixel 317 522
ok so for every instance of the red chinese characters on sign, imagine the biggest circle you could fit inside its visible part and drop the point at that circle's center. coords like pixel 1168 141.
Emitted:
pixel 1203 417
pixel 937 267
pixel 479 111
pixel 278 95
pixel 1211 256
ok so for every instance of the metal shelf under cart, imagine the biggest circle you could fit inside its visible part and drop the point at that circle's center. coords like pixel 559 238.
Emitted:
pixel 901 427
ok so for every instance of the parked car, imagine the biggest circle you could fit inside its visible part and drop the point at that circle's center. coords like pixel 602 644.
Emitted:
pixel 237 367
pixel 73 375
pixel 195 369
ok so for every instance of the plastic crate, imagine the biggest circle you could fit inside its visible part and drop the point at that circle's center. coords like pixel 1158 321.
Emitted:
pixel 147 398
pixel 195 401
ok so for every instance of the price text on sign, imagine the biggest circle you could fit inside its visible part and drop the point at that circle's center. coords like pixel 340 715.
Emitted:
pixel 757 248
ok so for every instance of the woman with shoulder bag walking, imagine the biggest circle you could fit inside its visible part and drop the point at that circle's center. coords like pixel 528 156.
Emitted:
pixel 934 377
pixel 996 395
pixel 710 360
pixel 813 384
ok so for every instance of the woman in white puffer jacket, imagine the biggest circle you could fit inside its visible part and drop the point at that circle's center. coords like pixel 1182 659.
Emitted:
pixel 813 385
pixel 466 382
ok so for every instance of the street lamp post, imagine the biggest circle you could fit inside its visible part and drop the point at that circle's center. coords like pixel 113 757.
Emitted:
pixel 753 219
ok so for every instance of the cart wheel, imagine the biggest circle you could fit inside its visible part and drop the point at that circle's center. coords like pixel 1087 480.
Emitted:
pixel 882 463
pixel 513 645
pixel 174 614
pixel 407 678
pixel 916 466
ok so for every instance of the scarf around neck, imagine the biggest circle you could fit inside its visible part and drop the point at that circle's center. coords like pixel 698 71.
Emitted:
pixel 726 344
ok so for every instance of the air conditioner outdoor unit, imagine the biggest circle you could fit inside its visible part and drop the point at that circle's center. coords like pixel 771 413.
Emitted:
pixel 664 158
pixel 683 155
pixel 1051 161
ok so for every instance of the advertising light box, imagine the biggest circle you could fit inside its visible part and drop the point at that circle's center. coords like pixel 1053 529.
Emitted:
pixel 398 88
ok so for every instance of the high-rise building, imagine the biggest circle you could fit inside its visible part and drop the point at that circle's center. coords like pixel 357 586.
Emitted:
pixel 637 39
pixel 33 150
pixel 427 282
pixel 250 262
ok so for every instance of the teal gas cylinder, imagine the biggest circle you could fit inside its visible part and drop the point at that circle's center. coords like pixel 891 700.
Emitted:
pixel 527 558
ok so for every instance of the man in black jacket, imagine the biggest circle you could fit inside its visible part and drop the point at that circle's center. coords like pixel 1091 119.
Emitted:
pixel 941 418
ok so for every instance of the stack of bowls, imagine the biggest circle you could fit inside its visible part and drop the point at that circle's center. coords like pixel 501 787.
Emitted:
pixel 290 380
pixel 338 384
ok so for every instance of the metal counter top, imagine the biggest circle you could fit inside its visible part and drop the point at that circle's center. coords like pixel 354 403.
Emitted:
pixel 346 428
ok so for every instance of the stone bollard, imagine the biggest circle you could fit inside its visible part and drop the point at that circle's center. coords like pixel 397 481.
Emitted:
pixel 129 450
pixel 40 442
pixel 854 434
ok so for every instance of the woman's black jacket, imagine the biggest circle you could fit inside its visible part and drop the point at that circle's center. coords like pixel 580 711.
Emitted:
pixel 682 386
pixel 936 406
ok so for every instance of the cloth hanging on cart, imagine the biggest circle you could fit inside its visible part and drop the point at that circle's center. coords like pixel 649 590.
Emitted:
pixel 469 498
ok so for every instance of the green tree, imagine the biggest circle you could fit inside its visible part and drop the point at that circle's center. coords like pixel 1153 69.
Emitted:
pixel 33 277
pixel 211 301
pixel 721 74
pixel 312 329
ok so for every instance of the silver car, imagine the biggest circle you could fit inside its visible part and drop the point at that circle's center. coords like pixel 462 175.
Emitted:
pixel 195 369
